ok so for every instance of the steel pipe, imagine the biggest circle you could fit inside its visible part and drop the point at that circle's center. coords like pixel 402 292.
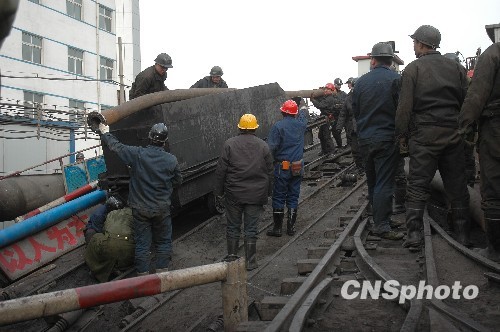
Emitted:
pixel 48 218
pixel 61 200
pixel 49 304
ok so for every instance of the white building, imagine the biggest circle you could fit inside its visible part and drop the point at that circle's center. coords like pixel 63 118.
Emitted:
pixel 60 62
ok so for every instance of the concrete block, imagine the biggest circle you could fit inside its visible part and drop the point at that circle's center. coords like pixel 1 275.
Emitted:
pixel 290 285
pixel 270 306
pixel 316 252
pixel 306 265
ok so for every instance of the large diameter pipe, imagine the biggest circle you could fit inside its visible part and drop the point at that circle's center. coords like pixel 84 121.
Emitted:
pixel 61 200
pixel 114 114
pixel 21 194
pixel 54 303
pixel 48 218
pixel 475 211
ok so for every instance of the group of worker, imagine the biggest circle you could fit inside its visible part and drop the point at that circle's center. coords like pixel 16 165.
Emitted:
pixel 152 79
pixel 425 114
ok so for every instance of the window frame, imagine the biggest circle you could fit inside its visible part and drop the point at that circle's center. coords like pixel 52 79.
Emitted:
pixel 30 47
pixel 74 60
pixel 105 69
pixel 105 16
pixel 74 4
pixel 75 106
pixel 30 104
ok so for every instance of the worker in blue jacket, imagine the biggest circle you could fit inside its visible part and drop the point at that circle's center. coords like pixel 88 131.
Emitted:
pixel 286 142
pixel 153 175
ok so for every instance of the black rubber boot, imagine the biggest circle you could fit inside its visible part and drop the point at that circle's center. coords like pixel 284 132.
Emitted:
pixel 291 220
pixel 461 224
pixel 278 216
pixel 232 249
pixel 399 201
pixel 493 235
pixel 414 224
pixel 250 254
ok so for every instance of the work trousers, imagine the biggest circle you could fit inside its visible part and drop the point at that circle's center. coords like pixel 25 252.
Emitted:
pixel 434 148
pixel 238 213
pixel 380 168
pixel 489 149
pixel 152 228
pixel 286 190
pixel 325 138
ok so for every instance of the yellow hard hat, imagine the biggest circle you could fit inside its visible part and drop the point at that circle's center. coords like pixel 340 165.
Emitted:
pixel 248 121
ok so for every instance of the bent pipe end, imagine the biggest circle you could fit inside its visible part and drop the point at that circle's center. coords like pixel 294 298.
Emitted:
pixel 94 119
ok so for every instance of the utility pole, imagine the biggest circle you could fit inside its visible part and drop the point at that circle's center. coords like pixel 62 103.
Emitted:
pixel 120 72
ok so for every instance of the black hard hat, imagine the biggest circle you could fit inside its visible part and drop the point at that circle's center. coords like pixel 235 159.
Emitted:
pixel 353 81
pixel 428 35
pixel 349 80
pixel 452 56
pixel 337 81
pixel 216 71
pixel 164 60
pixel 382 50
pixel 80 155
pixel 114 203
pixel 159 133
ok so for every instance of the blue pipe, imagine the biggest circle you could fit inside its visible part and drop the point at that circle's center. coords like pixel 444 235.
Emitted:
pixel 49 218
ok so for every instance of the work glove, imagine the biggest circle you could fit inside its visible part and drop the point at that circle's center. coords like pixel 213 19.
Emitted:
pixel 468 135
pixel 103 129
pixel 403 147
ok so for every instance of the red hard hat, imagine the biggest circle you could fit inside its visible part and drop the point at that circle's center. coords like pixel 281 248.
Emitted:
pixel 330 86
pixel 289 107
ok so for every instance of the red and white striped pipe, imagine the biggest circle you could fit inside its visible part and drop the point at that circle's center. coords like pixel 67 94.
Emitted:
pixel 49 304
pixel 61 200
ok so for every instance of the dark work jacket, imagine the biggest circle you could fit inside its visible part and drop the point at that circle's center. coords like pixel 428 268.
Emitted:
pixel 338 102
pixel 206 82
pixel 324 104
pixel 433 89
pixel 286 137
pixel 346 116
pixel 244 170
pixel 147 81
pixel 483 96
pixel 153 174
pixel 374 102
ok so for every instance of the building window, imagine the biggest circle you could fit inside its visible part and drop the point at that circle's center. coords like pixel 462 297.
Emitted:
pixel 106 69
pixel 75 61
pixel 31 102
pixel 105 18
pixel 76 111
pixel 32 48
pixel 74 8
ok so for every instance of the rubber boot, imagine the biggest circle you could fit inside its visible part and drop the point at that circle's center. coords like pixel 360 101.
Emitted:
pixel 232 249
pixel 414 224
pixel 250 254
pixel 278 215
pixel 399 201
pixel 461 224
pixel 492 251
pixel 291 220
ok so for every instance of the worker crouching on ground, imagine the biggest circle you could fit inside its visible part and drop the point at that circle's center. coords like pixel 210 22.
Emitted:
pixel 286 142
pixel 153 175
pixel 243 182
pixel 110 245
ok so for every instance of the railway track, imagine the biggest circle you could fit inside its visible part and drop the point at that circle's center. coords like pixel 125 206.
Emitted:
pixel 298 285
